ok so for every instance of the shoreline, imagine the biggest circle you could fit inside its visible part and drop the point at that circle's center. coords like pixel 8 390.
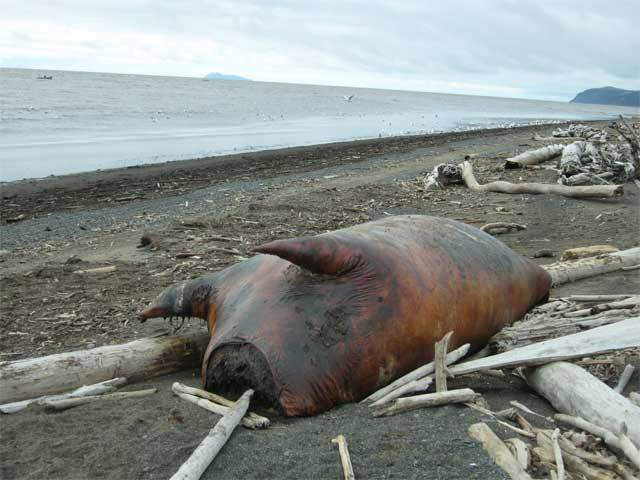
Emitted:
pixel 141 181
pixel 210 159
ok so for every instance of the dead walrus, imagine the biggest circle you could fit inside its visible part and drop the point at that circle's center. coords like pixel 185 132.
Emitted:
pixel 319 321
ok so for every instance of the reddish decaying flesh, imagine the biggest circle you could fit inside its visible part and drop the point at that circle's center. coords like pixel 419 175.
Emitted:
pixel 339 315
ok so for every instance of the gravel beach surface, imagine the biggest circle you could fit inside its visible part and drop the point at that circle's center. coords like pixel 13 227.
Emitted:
pixel 97 219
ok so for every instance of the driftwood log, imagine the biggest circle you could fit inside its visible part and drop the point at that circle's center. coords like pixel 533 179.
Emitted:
pixel 498 451
pixel 574 391
pixel 567 272
pixel 145 358
pixel 204 454
pixel 590 191
pixel 617 336
pixel 534 157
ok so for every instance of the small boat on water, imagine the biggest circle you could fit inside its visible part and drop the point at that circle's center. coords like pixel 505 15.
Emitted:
pixel 45 77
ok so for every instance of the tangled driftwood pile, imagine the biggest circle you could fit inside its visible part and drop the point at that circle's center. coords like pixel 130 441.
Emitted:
pixel 585 132
pixel 590 167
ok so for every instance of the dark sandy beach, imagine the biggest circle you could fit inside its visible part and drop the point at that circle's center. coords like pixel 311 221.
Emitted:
pixel 96 219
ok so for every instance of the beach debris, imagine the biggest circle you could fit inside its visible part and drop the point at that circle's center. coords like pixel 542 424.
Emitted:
pixel 592 166
pixel 571 271
pixel 615 336
pixel 498 451
pixel 534 157
pixel 100 388
pixel 151 240
pixel 442 175
pixel 585 132
pixel 72 260
pixel 419 374
pixel 574 391
pixel 589 191
pixel 218 436
pixel 583 162
pixel 619 443
pixel 96 271
pixel 53 374
pixel 585 252
pixel 440 359
pixel 54 404
pixel 15 219
pixel 562 317
pixel 217 404
pixel 329 271
pixel 406 404
pixel 627 373
pixel 496 228
pixel 520 450
pixel 345 458
pixel 629 134
pixel 544 253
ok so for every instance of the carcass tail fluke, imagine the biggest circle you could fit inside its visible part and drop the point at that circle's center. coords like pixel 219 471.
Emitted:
pixel 326 254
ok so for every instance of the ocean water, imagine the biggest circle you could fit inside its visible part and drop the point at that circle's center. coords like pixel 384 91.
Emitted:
pixel 80 121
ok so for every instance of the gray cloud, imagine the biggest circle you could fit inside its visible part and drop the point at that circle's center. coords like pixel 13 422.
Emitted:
pixel 494 47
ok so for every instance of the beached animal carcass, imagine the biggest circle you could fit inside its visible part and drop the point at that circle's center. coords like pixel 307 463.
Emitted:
pixel 317 321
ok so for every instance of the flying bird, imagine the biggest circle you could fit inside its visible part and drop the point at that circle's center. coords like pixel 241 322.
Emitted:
pixel 348 98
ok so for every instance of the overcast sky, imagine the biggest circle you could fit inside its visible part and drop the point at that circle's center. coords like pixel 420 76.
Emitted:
pixel 542 49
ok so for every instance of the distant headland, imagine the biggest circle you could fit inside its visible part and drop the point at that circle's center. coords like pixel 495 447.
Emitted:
pixel 609 96
pixel 223 76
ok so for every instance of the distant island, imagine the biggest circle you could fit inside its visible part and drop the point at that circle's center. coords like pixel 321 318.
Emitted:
pixel 609 96
pixel 223 76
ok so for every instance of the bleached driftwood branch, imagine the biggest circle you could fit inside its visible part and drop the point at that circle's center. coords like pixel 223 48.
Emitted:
pixel 611 439
pixel 100 388
pixel 345 458
pixel 562 317
pixel 420 385
pixel 407 404
pixel 574 391
pixel 204 454
pixel 534 157
pixel 145 358
pixel 617 336
pixel 590 191
pixel 66 403
pixel 418 373
pixel 498 451
pixel 441 349
pixel 586 132
pixel 212 403
pixel 566 272
pixel 520 451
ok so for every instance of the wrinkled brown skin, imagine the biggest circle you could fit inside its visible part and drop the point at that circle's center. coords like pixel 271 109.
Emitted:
pixel 341 314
